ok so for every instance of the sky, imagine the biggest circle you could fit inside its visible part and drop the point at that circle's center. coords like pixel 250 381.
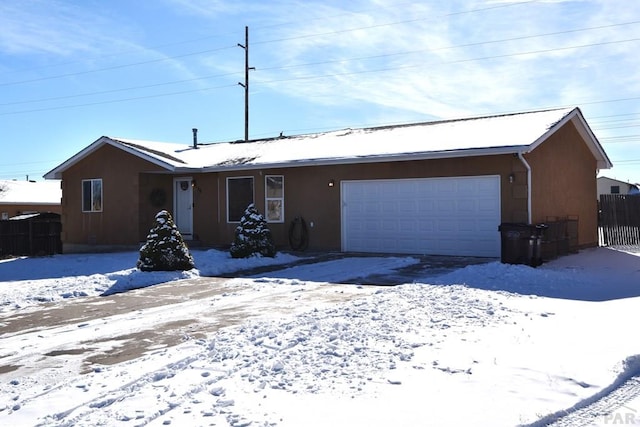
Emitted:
pixel 514 345
pixel 73 71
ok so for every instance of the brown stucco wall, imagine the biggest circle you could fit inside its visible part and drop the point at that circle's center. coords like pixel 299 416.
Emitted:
pixel 205 202
pixel 118 224
pixel 155 194
pixel 564 183
pixel 208 211
pixel 307 193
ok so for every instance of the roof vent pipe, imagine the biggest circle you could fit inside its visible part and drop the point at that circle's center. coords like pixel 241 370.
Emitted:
pixel 195 137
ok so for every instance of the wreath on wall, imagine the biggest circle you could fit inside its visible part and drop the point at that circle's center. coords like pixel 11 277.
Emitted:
pixel 157 197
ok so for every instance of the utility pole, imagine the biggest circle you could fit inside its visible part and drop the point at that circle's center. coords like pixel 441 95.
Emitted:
pixel 245 85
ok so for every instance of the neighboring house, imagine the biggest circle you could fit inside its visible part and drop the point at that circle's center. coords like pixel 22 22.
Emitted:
pixel 614 186
pixel 427 188
pixel 28 197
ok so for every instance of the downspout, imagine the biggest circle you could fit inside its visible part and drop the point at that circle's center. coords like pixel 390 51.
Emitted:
pixel 526 165
pixel 218 198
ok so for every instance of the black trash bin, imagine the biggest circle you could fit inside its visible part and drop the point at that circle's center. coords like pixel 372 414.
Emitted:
pixel 540 230
pixel 521 243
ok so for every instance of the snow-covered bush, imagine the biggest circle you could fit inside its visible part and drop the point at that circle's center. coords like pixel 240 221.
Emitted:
pixel 252 236
pixel 165 249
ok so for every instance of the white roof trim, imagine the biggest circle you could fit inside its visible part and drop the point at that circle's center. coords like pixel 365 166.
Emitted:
pixel 602 160
pixel 56 173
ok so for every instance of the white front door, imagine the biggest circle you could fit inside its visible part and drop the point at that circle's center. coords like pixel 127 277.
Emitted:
pixel 183 206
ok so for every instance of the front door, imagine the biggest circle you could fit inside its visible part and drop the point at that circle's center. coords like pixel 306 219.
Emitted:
pixel 183 206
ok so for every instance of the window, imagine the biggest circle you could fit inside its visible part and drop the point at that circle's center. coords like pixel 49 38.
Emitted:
pixel 5 215
pixel 615 189
pixel 239 196
pixel 92 195
pixel 274 198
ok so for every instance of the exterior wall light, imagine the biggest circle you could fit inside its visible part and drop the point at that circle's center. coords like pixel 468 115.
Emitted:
pixel 332 183
pixel 512 178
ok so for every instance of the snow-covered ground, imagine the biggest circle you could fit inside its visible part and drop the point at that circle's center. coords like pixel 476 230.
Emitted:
pixel 488 345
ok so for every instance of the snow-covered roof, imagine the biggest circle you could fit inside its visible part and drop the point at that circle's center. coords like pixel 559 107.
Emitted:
pixel 30 192
pixel 606 178
pixel 500 134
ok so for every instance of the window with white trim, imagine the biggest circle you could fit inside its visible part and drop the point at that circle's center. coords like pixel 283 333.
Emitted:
pixel 274 198
pixel 92 195
pixel 239 196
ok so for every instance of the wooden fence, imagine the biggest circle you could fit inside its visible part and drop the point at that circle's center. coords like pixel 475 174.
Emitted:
pixel 37 234
pixel 619 220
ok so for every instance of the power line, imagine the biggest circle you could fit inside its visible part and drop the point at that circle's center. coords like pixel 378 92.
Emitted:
pixel 199 39
pixel 126 89
pixel 310 77
pixel 114 67
pixel 621 138
pixel 113 101
pixel 474 44
pixel 337 32
pixel 626 161
pixel 326 62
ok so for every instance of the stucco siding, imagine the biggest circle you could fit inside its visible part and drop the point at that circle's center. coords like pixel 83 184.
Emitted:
pixel 308 194
pixel 564 182
pixel 118 222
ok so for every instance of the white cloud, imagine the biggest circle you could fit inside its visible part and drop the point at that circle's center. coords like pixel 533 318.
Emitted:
pixel 36 26
pixel 446 74
pixel 82 33
pixel 209 8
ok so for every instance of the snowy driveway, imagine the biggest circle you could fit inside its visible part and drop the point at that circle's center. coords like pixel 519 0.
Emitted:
pixel 124 326
pixel 278 349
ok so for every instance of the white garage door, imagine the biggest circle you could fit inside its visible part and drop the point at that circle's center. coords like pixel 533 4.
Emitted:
pixel 439 216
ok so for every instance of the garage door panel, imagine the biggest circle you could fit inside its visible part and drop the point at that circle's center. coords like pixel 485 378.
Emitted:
pixel 466 188
pixel 488 187
pixel 428 226
pixel 467 226
pixel 426 205
pixel 447 226
pixel 425 192
pixel 388 207
pixel 449 216
pixel 389 226
pixel 370 206
pixel 446 207
pixel 487 206
pixel 467 206
pixel 407 226
pixel 445 186
pixel 407 207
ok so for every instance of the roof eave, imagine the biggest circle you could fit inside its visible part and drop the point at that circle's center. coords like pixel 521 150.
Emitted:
pixel 575 115
pixel 56 173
